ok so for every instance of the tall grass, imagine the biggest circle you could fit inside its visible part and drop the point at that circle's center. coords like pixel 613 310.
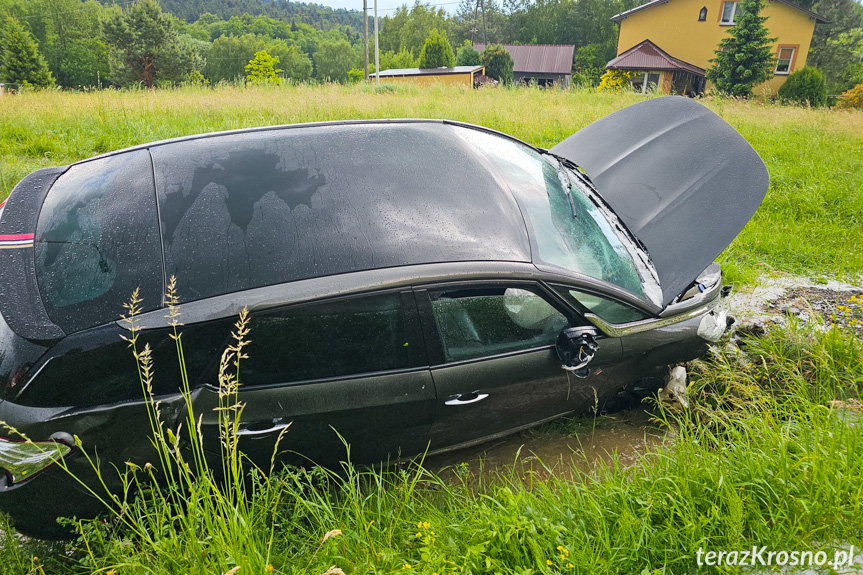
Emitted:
pixel 762 457
pixel 810 222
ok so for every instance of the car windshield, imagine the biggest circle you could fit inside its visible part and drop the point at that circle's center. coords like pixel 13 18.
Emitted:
pixel 569 228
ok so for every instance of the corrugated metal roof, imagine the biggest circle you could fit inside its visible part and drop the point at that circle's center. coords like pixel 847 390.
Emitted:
pixel 429 71
pixel 539 58
pixel 652 3
pixel 649 56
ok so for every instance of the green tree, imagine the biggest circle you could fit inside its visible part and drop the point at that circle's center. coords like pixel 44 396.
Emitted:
pixel 396 60
pixel 296 64
pixel 805 86
pixel 745 57
pixel 437 52
pixel 145 45
pixel 841 60
pixel 408 29
pixel 589 65
pixel 334 60
pixel 262 69
pixel 20 59
pixel 467 55
pixel 498 63
pixel 837 44
pixel 68 33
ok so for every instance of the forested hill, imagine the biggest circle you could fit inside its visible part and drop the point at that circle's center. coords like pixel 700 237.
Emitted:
pixel 319 16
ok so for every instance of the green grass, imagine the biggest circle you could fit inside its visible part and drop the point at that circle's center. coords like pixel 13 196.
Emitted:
pixel 759 459
pixel 809 224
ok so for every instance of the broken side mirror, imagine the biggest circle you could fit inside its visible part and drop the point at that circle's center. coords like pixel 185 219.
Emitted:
pixel 576 346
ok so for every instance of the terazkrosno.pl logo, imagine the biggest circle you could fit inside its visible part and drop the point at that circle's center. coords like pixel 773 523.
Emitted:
pixel 761 556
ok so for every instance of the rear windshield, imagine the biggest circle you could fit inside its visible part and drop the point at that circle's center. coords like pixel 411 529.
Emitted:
pixel 97 240
pixel 568 229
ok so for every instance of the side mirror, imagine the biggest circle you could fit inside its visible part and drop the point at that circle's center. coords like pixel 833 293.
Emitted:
pixel 576 346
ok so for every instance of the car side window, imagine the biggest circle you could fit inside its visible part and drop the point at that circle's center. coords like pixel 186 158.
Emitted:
pixel 607 309
pixel 338 338
pixel 477 322
pixel 97 240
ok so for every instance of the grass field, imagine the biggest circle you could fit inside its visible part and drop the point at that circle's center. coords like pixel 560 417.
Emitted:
pixel 809 224
pixel 760 457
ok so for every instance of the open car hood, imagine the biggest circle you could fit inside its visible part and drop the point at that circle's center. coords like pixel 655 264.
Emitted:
pixel 679 176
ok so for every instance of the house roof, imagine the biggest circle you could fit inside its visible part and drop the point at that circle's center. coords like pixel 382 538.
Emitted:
pixel 429 71
pixel 649 56
pixel 652 3
pixel 539 58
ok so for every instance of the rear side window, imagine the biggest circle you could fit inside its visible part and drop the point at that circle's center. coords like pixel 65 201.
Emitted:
pixel 97 240
pixel 333 339
pixel 98 367
pixel 489 321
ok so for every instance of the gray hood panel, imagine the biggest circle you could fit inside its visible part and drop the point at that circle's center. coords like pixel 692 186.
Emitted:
pixel 679 176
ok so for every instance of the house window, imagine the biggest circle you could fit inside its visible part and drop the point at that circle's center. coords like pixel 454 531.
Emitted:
pixel 785 60
pixel 702 14
pixel 729 11
pixel 645 82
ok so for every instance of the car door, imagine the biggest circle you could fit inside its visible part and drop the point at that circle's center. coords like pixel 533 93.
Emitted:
pixel 494 364
pixel 329 378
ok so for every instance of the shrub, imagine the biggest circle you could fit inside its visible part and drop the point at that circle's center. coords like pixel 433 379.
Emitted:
pixel 262 69
pixel 467 55
pixel 614 81
pixel 437 52
pixel 806 86
pixel 498 63
pixel 852 98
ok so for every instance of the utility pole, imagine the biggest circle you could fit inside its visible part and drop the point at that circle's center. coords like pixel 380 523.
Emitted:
pixel 484 33
pixel 377 49
pixel 366 35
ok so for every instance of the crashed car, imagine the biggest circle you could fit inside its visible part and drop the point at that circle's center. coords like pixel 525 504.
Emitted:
pixel 413 286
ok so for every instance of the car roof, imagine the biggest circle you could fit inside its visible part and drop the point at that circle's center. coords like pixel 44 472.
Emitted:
pixel 277 127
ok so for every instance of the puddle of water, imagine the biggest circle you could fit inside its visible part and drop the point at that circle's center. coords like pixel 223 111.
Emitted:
pixel 563 448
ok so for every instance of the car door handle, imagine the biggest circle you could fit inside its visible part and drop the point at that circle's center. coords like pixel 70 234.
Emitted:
pixel 262 428
pixel 466 398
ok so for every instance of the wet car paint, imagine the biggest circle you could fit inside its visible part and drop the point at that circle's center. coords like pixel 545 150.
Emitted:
pixel 336 243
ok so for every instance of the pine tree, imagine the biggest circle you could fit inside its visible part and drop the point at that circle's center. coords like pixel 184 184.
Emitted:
pixel 437 51
pixel 744 58
pixel 146 45
pixel 20 59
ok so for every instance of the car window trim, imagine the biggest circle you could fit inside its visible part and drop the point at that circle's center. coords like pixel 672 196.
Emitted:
pixel 413 330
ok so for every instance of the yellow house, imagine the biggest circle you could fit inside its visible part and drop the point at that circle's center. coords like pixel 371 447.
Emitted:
pixel 668 43
pixel 464 75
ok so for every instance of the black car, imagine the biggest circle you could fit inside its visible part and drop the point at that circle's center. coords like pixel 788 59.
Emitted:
pixel 413 285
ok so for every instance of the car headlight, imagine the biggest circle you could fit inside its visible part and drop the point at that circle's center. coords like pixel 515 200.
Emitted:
pixel 20 460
